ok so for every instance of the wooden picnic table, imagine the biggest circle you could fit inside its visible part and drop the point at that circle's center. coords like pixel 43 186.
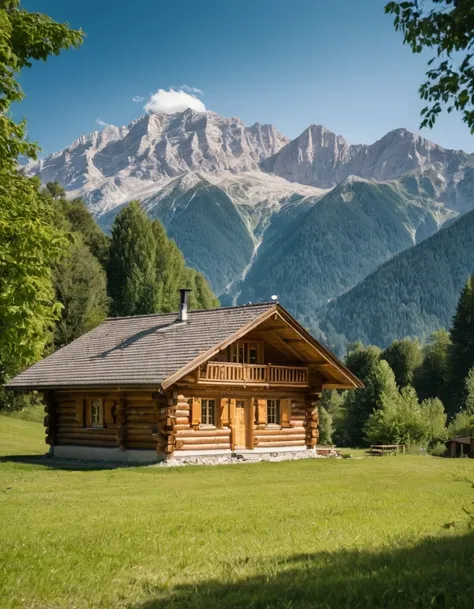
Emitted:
pixel 383 449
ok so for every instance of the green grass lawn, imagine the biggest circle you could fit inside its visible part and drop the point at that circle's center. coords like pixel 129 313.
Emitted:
pixel 21 437
pixel 375 532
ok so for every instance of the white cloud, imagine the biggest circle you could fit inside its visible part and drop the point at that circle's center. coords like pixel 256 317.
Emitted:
pixel 101 123
pixel 137 99
pixel 189 89
pixel 174 100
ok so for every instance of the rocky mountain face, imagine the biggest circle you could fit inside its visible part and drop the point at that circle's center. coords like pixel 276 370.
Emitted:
pixel 307 219
pixel 117 164
pixel 321 158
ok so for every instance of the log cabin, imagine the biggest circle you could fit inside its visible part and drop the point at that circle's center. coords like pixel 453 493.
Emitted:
pixel 240 380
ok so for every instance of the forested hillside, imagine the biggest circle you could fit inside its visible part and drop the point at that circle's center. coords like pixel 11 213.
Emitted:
pixel 210 232
pixel 205 223
pixel 341 239
pixel 410 295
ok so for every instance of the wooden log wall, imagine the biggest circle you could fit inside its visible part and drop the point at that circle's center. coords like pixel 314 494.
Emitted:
pixel 311 422
pixel 164 431
pixel 71 426
pixel 146 420
pixel 140 418
pixel 189 437
pixel 292 436
pixel 128 420
pixel 51 418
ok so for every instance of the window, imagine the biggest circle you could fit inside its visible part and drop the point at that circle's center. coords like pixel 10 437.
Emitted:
pixel 208 410
pixel 97 413
pixel 244 353
pixel 237 353
pixel 273 412
pixel 252 353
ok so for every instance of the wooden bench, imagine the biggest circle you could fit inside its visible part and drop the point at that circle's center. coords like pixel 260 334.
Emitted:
pixel 387 449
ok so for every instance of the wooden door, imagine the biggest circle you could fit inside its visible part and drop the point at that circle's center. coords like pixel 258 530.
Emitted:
pixel 241 423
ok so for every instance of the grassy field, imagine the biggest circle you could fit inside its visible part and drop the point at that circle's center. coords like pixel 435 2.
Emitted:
pixel 377 532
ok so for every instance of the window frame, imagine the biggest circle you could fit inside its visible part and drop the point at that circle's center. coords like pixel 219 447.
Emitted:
pixel 239 352
pixel 273 412
pixel 99 404
pixel 208 411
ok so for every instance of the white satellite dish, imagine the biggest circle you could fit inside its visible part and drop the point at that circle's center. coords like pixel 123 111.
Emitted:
pixel 275 298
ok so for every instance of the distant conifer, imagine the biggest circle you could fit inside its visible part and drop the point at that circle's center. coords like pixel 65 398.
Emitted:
pixel 462 349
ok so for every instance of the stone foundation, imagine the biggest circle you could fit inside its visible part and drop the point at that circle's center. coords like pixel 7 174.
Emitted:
pixel 211 457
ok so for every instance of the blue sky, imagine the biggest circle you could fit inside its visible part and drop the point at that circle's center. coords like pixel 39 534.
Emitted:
pixel 288 62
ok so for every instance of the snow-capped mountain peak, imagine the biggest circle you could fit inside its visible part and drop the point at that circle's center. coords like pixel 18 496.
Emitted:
pixel 107 166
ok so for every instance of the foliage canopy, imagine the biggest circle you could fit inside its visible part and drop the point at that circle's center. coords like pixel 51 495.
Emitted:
pixel 447 27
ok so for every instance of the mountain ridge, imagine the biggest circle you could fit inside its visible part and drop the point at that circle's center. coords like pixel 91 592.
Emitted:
pixel 258 213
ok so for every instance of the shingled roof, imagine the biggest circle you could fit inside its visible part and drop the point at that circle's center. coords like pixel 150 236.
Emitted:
pixel 141 350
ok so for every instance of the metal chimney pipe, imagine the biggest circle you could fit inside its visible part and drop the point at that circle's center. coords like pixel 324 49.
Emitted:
pixel 183 304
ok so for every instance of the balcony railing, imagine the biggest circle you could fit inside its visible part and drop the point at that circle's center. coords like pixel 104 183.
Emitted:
pixel 224 372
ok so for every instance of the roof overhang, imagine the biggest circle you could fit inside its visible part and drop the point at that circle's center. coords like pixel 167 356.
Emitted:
pixel 84 387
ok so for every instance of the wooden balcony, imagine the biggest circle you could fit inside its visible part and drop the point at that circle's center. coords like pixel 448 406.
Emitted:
pixel 252 374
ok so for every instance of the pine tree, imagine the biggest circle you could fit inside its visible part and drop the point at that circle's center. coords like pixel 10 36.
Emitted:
pixel 325 427
pixel 432 376
pixel 55 190
pixel 399 420
pixel 379 380
pixel 170 267
pixel 469 386
pixel 334 404
pixel 205 296
pixel 361 360
pixel 462 349
pixel 146 269
pixel 404 357
pixel 81 221
pixel 435 417
pixel 131 270
pixel 80 286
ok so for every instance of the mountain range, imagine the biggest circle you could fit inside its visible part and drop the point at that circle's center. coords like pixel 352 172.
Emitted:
pixel 314 220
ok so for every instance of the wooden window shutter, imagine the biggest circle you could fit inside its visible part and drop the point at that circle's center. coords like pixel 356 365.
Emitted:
pixel 87 413
pixel 285 410
pixel 232 409
pixel 109 406
pixel 80 406
pixel 196 411
pixel 223 419
pixel 261 411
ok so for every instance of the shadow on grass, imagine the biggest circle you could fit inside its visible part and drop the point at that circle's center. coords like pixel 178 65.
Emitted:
pixel 434 573
pixel 67 464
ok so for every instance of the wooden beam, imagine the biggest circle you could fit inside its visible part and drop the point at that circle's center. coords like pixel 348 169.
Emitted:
pixel 293 351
